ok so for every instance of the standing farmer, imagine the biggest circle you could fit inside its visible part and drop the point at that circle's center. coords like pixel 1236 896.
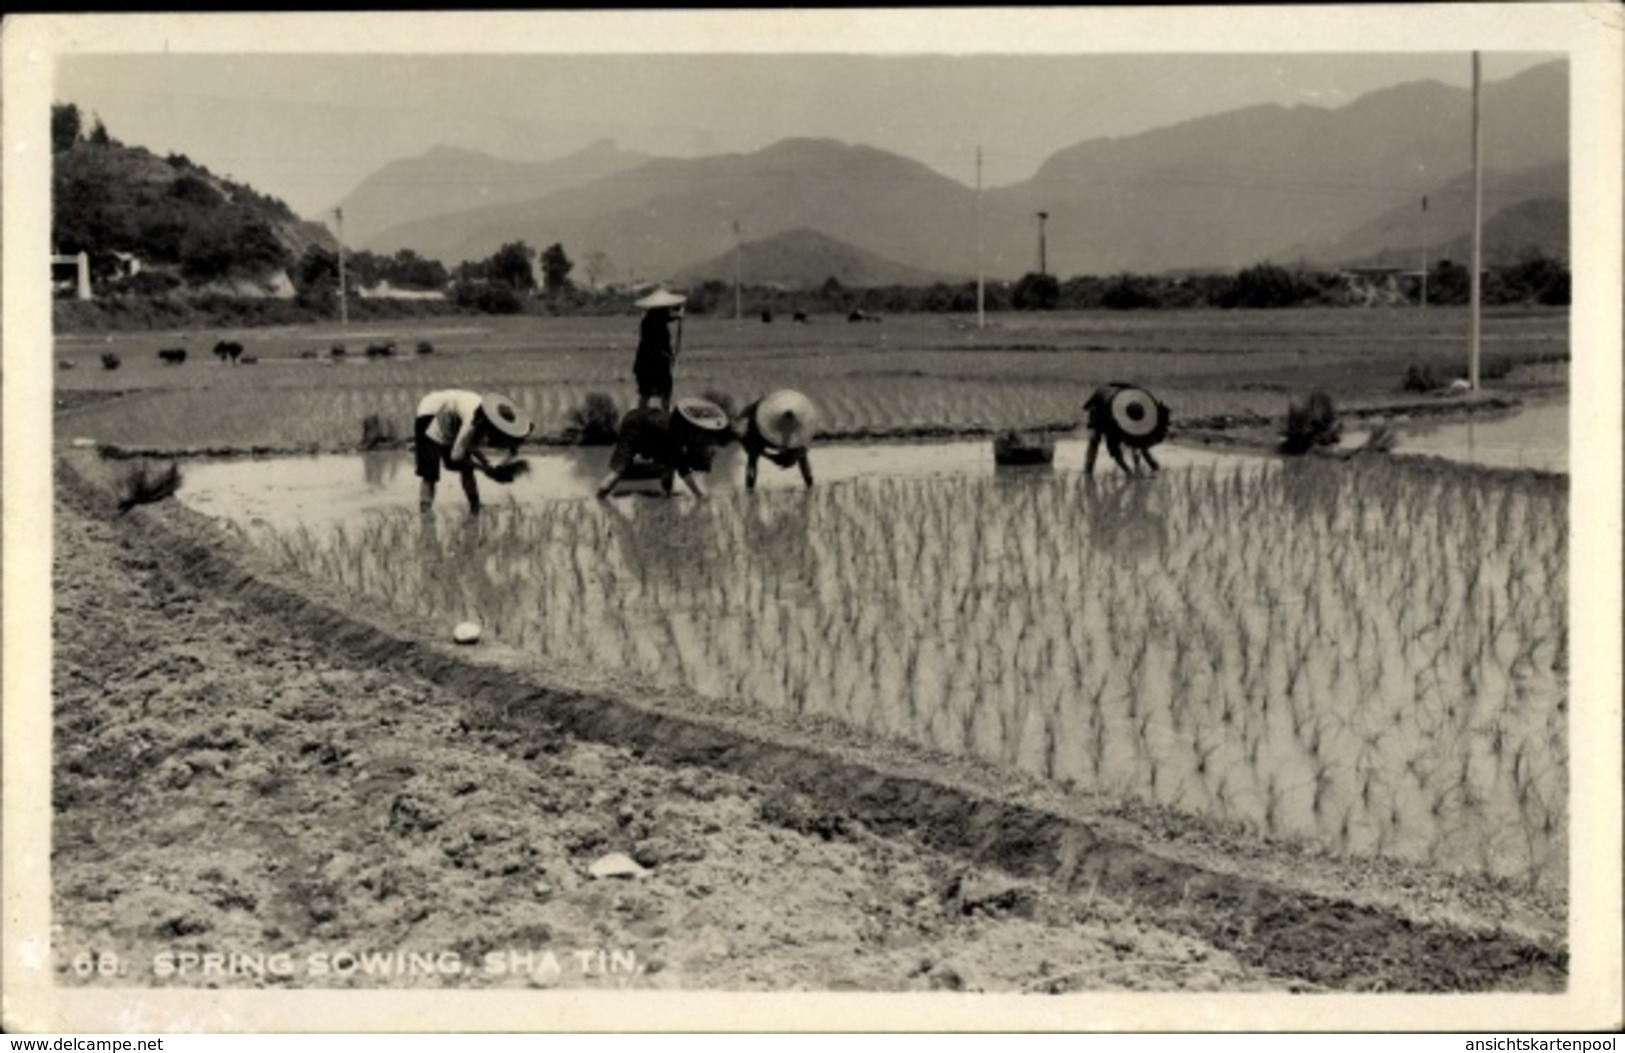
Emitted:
pixel 677 443
pixel 656 359
pixel 459 429
pixel 778 427
pixel 1125 415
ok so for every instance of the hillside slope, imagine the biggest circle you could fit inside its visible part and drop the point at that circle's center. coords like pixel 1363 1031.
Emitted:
pixel 805 259
pixel 173 215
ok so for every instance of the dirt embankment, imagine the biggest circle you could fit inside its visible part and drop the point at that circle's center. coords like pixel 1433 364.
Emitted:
pixel 244 766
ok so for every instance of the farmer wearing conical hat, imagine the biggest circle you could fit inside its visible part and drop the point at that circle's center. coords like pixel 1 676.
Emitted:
pixel 676 443
pixel 778 427
pixel 1125 415
pixel 461 429
pixel 656 360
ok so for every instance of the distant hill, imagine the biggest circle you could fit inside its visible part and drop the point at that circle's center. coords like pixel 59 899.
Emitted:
pixel 806 259
pixel 1230 190
pixel 1524 212
pixel 449 180
pixel 663 216
pixel 174 216
pixel 1219 192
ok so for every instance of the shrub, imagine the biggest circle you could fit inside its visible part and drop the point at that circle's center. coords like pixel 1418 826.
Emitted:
pixel 1310 424
pixel 383 350
pixel 109 360
pixel 376 431
pixel 1421 378
pixel 425 348
pixel 338 351
pixel 142 484
pixel 593 423
pixel 1036 292
pixel 172 356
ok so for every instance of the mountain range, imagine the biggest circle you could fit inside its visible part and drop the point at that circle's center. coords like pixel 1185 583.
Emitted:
pixel 1311 184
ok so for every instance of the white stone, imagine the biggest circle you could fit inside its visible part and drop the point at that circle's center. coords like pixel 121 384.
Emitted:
pixel 466 633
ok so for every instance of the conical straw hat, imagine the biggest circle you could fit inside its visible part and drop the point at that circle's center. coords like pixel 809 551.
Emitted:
pixel 1137 417
pixel 702 414
pixel 786 419
pixel 505 415
pixel 661 298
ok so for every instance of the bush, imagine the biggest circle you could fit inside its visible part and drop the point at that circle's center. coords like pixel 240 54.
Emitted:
pixel 383 350
pixel 1311 423
pixel 425 348
pixel 142 484
pixel 109 360
pixel 338 351
pixel 1036 292
pixel 376 431
pixel 595 421
pixel 1421 379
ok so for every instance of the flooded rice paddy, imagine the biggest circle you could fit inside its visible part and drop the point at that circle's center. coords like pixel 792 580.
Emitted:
pixel 1367 653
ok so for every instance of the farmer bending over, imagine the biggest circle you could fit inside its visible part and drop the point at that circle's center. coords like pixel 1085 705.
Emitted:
pixel 460 429
pixel 677 443
pixel 1125 415
pixel 778 427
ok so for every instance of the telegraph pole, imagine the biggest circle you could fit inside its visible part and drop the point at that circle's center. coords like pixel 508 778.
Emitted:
pixel 981 317
pixel 739 248
pixel 1424 252
pixel 1478 225
pixel 344 300
pixel 1043 264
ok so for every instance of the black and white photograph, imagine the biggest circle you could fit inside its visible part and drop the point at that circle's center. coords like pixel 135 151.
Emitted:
pixel 1049 518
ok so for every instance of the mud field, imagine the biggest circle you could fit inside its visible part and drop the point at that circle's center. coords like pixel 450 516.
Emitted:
pixel 247 767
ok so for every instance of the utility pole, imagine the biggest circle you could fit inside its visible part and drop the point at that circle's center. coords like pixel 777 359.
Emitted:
pixel 1043 263
pixel 344 300
pixel 981 316
pixel 1478 225
pixel 1424 252
pixel 739 248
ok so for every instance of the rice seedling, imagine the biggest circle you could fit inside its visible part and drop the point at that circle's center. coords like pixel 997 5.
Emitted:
pixel 1323 676
pixel 377 430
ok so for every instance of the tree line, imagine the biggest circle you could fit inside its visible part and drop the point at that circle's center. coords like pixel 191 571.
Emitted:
pixel 198 228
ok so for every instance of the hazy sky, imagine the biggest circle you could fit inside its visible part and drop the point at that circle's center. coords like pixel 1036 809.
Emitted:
pixel 309 127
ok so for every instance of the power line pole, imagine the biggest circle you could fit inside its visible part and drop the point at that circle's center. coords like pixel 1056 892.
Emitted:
pixel 981 317
pixel 1424 252
pixel 739 248
pixel 1043 263
pixel 344 300
pixel 1478 224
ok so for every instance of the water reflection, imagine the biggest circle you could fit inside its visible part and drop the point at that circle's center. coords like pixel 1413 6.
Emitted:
pixel 380 467
pixel 1325 648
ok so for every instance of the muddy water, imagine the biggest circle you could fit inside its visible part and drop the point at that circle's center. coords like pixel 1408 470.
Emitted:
pixel 1536 437
pixel 288 491
pixel 1370 658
